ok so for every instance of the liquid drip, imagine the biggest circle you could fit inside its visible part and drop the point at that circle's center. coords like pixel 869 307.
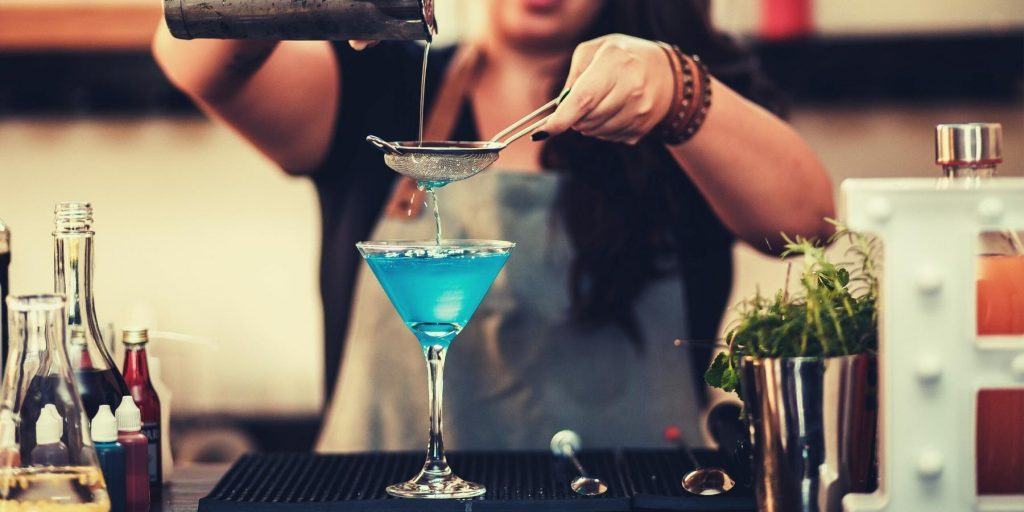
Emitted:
pixel 69 489
pixel 423 87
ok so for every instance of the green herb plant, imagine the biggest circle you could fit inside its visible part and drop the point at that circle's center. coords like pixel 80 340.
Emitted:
pixel 832 314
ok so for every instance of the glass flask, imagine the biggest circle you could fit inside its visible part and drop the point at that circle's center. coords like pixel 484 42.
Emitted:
pixel 39 400
pixel 97 378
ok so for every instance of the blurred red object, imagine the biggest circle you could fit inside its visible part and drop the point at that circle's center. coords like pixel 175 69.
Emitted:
pixel 786 19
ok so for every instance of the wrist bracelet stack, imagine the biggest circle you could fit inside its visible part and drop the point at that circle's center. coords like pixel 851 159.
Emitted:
pixel 691 96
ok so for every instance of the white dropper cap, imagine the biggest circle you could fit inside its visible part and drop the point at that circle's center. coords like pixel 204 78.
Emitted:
pixel 129 417
pixel 7 426
pixel 49 426
pixel 52 409
pixel 104 425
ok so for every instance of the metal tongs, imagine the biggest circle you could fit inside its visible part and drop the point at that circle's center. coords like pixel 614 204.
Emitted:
pixel 437 163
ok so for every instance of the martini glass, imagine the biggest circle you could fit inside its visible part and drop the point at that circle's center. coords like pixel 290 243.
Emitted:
pixel 436 288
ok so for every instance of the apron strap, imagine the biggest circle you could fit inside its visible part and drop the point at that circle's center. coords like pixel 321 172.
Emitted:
pixel 406 201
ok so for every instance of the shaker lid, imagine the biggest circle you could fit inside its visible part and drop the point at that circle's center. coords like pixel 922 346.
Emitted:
pixel 969 144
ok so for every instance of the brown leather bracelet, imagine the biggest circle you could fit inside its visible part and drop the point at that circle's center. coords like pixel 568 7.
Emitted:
pixel 691 97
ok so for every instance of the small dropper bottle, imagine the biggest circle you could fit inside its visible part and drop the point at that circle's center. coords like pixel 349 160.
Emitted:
pixel 49 450
pixel 111 455
pixel 136 455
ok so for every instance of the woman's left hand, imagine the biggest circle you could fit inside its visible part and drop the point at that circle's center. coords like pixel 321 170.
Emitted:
pixel 621 88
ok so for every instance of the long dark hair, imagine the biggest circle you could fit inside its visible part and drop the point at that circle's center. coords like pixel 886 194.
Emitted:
pixel 632 215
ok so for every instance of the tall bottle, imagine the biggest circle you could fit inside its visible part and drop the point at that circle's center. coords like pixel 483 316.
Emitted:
pixel 98 379
pixel 136 375
pixel 969 155
pixel 5 283
pixel 57 468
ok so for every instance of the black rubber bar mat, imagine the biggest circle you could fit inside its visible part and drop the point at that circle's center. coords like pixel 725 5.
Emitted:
pixel 302 482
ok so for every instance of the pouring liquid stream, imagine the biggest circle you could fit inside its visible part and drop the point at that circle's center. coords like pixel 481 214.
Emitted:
pixel 423 186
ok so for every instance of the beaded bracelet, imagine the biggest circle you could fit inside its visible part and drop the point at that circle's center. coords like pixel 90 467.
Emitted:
pixel 691 98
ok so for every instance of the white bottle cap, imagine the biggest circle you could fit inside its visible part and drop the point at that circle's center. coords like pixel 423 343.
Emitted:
pixel 52 409
pixel 129 417
pixel 104 425
pixel 49 426
pixel 7 439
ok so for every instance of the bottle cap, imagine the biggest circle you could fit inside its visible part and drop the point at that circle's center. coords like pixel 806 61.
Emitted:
pixel 969 144
pixel 135 336
pixel 49 426
pixel 52 409
pixel 129 417
pixel 104 425
pixel 7 439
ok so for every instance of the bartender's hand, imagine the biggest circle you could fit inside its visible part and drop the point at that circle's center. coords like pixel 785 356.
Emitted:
pixel 621 89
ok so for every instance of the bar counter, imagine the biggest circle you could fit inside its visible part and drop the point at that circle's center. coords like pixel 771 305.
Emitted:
pixel 188 484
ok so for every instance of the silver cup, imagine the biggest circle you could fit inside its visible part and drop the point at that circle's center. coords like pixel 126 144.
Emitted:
pixel 301 19
pixel 812 430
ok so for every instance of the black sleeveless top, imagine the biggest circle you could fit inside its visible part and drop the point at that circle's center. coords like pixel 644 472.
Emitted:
pixel 380 96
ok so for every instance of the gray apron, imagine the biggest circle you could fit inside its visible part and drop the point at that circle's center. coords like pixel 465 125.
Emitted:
pixel 520 370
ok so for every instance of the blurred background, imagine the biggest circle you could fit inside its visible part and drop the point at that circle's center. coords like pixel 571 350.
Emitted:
pixel 200 235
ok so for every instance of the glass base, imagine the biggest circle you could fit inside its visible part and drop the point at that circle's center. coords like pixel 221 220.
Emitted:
pixel 437 486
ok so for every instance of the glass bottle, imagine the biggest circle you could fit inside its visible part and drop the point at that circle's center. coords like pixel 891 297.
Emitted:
pixel 969 154
pixel 38 382
pixel 5 283
pixel 136 375
pixel 98 380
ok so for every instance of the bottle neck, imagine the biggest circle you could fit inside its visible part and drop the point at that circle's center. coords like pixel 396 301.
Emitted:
pixel 74 278
pixel 136 365
pixel 969 172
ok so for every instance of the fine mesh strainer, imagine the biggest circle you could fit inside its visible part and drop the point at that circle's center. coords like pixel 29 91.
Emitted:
pixel 434 164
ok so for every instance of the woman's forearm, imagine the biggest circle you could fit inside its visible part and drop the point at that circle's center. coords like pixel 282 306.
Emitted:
pixel 760 177
pixel 282 97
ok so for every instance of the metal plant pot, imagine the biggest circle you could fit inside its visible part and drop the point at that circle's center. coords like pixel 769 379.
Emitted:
pixel 812 428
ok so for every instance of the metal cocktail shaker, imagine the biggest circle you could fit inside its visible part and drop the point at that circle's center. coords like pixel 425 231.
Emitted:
pixel 301 19
pixel 812 430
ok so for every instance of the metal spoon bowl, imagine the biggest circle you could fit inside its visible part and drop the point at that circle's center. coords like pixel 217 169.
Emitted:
pixel 708 481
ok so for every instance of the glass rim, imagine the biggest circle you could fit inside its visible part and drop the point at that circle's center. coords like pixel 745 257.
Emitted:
pixel 455 243
pixel 36 302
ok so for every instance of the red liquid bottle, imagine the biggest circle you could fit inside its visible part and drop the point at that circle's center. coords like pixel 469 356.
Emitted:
pixel 136 455
pixel 136 376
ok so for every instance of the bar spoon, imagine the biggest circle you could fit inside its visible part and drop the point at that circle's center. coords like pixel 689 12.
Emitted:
pixel 702 480
pixel 564 444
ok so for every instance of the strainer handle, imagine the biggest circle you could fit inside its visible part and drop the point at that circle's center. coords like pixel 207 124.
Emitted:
pixel 526 119
pixel 384 145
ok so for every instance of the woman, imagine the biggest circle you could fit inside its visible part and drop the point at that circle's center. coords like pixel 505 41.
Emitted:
pixel 624 238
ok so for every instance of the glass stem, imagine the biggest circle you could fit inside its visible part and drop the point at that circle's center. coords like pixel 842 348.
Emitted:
pixel 436 464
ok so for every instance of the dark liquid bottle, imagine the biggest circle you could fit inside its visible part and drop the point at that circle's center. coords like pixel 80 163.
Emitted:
pixel 96 376
pixel 136 375
pixel 5 287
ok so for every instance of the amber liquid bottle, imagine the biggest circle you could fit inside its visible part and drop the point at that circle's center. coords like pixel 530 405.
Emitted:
pixel 969 154
pixel 136 376
pixel 97 378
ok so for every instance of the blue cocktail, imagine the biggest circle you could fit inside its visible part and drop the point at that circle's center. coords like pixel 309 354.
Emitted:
pixel 436 288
